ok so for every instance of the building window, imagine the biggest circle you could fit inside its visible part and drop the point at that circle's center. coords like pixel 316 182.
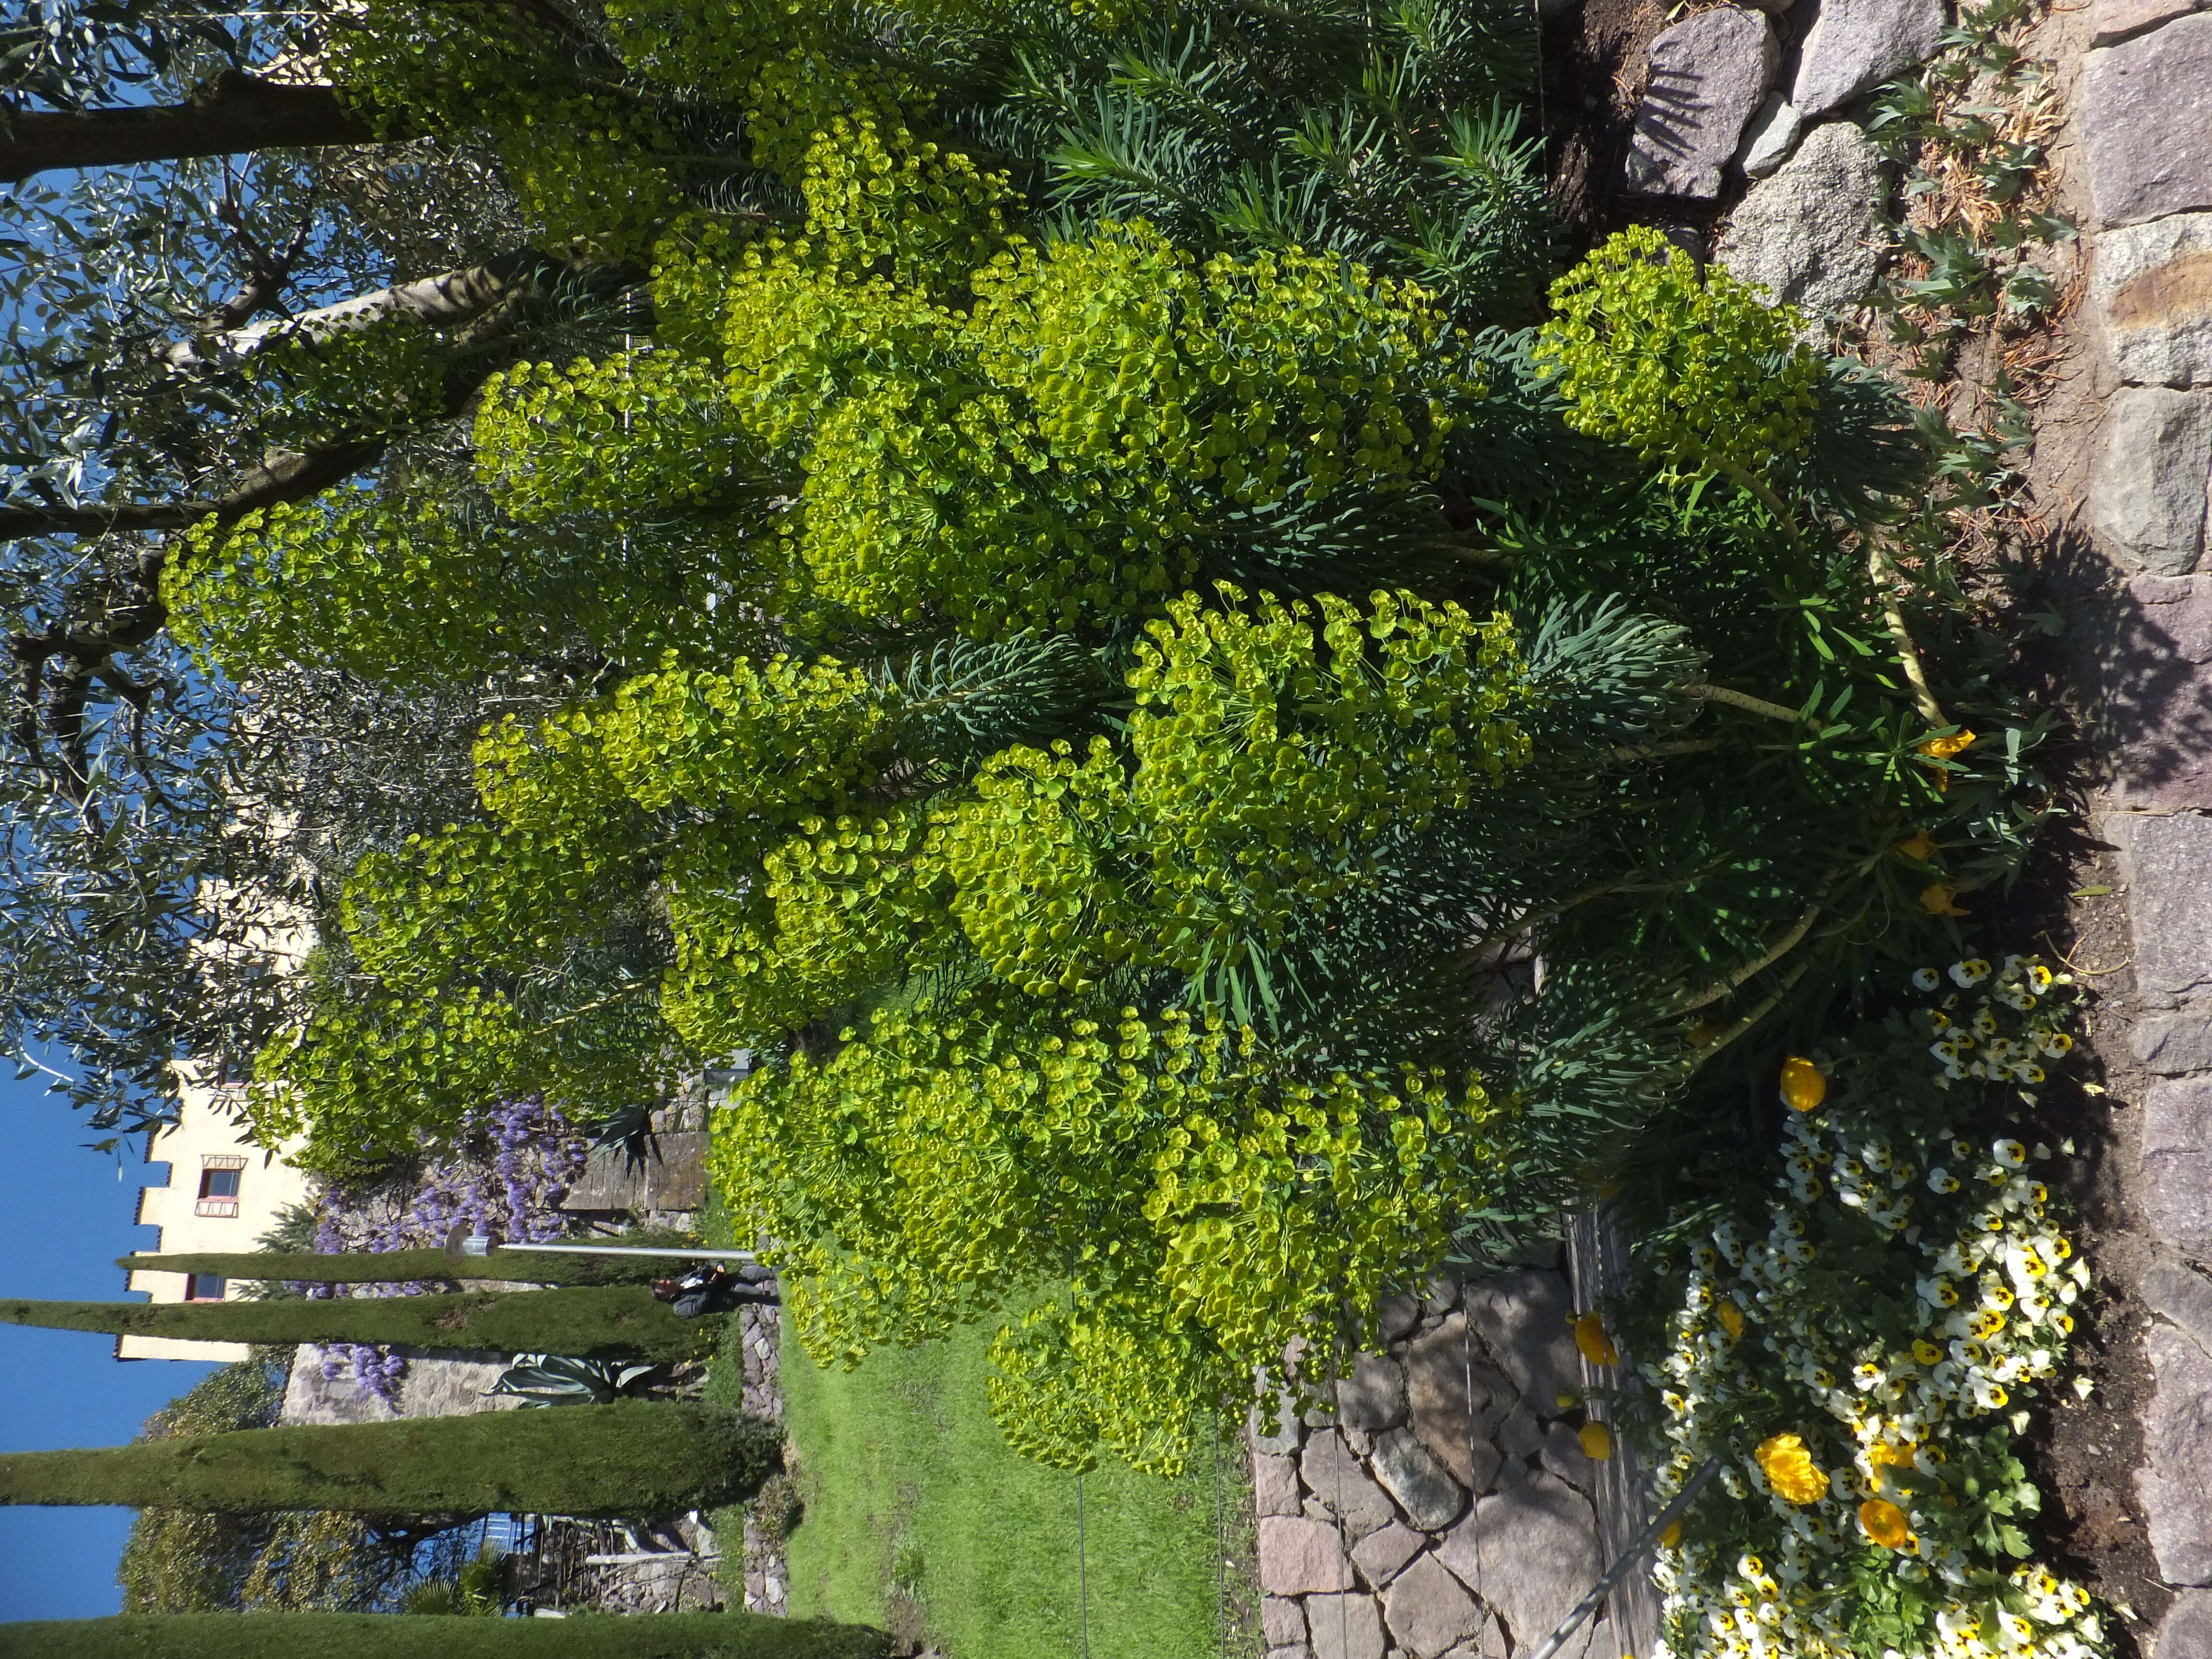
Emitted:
pixel 219 1182
pixel 203 1288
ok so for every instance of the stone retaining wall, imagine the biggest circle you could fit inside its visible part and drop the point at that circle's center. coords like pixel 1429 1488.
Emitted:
pixel 1446 1509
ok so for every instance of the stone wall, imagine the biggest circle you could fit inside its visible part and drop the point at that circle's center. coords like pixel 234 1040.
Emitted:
pixel 1447 1508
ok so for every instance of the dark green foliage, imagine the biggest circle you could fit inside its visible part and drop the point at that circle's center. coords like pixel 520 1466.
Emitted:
pixel 609 1321
pixel 632 1458
pixel 401 1636
pixel 421 1267
pixel 1389 135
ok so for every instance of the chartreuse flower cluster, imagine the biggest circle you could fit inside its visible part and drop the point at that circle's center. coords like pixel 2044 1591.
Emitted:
pixel 1053 452
pixel 1685 366
pixel 946 1161
pixel 1860 1366
pixel 1268 746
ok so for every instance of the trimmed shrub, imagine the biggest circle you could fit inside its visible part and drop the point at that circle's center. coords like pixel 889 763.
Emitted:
pixel 627 1459
pixel 407 1636
pixel 609 1321
pixel 408 1267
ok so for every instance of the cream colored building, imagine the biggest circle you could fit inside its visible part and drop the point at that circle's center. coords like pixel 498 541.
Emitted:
pixel 223 1194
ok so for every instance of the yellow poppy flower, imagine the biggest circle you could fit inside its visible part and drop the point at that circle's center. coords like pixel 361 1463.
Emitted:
pixel 1597 1442
pixel 1731 1318
pixel 1789 1468
pixel 1803 1087
pixel 1596 1346
pixel 1944 748
pixel 1884 1522
pixel 1941 899
pixel 1919 847
pixel 1671 1536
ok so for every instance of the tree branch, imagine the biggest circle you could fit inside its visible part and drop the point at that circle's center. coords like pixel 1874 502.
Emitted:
pixel 282 477
pixel 234 111
pixel 444 300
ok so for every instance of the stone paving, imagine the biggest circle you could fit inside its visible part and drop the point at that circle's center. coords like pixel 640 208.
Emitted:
pixel 1445 1509
pixel 2143 109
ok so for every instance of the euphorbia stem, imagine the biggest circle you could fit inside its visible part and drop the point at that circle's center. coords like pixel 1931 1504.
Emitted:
pixel 1886 577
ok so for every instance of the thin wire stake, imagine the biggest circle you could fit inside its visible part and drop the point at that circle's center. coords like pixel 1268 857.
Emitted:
pixel 1475 1500
pixel 1628 1558
pixel 1220 1546
pixel 1082 1568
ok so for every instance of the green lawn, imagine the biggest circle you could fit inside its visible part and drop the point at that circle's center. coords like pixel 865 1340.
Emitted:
pixel 917 1514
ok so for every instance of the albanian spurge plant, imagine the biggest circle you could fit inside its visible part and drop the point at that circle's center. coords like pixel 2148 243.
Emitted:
pixel 1110 704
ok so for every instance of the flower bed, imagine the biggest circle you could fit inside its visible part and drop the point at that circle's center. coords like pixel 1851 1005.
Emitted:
pixel 1860 1367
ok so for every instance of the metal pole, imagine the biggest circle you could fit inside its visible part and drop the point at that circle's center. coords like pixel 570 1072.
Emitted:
pixel 1629 1557
pixel 462 1247
pixel 618 1249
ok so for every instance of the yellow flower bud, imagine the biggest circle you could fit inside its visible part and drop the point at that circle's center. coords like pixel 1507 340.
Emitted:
pixel 1803 1086
pixel 1596 1346
pixel 1597 1442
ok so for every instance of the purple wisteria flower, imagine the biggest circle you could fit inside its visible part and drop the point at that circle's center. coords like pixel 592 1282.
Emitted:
pixel 503 1170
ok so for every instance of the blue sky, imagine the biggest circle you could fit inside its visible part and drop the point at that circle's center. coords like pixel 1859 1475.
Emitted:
pixel 65 1220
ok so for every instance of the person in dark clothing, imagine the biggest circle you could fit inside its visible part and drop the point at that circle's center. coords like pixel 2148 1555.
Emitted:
pixel 712 1289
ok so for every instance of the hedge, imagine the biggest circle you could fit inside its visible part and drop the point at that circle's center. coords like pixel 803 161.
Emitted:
pixel 631 1458
pixel 412 1636
pixel 610 1321
pixel 427 1267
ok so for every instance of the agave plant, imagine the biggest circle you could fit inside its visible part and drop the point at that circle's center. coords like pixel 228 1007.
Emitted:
pixel 545 1379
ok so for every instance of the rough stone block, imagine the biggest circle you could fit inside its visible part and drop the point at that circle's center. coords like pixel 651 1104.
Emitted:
pixel 1299 1556
pixel 1854 46
pixel 1373 1397
pixel 1564 1457
pixel 1282 1621
pixel 1530 1552
pixel 1340 1481
pixel 1807 234
pixel 1428 1610
pixel 1399 1315
pixel 2175 1482
pixel 1414 1476
pixel 2185 1296
pixel 2111 20
pixel 1523 1320
pixel 2167 860
pixel 1345 1627
pixel 2172 1043
pixel 2186 1633
pixel 1488 1643
pixel 1300 1651
pixel 2149 494
pixel 2144 654
pixel 1772 134
pixel 1275 1484
pixel 1275 1431
pixel 2153 285
pixel 1440 1369
pixel 2146 109
pixel 1709 73
pixel 1521 1434
pixel 2177 1165
pixel 1380 1555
